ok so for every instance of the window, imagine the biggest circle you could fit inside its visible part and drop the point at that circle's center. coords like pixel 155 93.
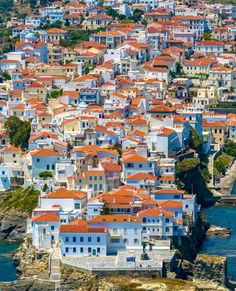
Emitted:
pixel 52 227
pixel 74 250
pixel 98 239
pixel 48 167
pixel 52 237
pixel 74 239
pixel 140 165
pixel 167 229
pixel 135 231
pixel 89 250
pixel 89 239
pixel 136 241
pixel 67 250
pixel 81 249
pixel 100 186
pixel 77 205
pixel 81 239
pixel 115 240
pixel 67 239
pixel 167 220
pixel 90 178
pixel 53 167
pixel 95 178
pixel 38 160
pixel 98 250
pixel 100 178
pixel 125 230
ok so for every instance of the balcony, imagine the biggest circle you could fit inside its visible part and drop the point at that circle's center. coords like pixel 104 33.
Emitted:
pixel 115 233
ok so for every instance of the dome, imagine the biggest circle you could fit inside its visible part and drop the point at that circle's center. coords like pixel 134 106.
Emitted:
pixel 34 120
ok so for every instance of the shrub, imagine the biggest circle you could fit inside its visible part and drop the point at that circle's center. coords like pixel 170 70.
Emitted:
pixel 46 174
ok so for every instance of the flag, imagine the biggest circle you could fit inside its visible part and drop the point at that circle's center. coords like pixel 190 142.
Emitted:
pixel 130 259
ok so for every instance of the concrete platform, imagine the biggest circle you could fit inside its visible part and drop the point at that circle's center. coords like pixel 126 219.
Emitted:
pixel 118 263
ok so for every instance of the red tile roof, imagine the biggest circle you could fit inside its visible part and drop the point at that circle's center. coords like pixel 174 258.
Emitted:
pixel 63 193
pixel 46 217
pixel 155 212
pixel 115 218
pixel 44 153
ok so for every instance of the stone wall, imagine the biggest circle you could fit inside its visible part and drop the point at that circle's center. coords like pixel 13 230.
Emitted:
pixel 210 268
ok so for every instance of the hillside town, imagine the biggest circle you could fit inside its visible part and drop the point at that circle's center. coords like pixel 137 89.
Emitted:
pixel 104 108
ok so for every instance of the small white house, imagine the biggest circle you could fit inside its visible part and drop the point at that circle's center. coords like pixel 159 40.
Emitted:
pixel 71 203
pixel 45 230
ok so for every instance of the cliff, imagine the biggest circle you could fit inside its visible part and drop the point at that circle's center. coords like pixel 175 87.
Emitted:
pixel 210 269
pixel 13 225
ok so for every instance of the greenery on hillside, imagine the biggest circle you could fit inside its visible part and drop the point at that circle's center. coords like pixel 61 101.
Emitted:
pixel 230 148
pixel 76 36
pixel 5 5
pixel 195 141
pixel 192 178
pixel 24 200
pixel 18 131
pixel 221 163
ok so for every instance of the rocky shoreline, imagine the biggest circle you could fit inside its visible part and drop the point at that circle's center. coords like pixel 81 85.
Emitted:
pixel 218 231
pixel 33 268
pixel 13 226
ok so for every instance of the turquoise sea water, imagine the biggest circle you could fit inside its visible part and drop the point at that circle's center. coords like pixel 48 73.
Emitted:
pixel 7 268
pixel 224 216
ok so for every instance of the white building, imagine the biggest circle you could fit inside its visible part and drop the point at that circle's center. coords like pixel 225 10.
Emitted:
pixel 124 231
pixel 45 230
pixel 71 203
pixel 79 239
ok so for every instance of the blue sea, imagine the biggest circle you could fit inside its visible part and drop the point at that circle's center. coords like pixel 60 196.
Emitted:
pixel 7 267
pixel 224 216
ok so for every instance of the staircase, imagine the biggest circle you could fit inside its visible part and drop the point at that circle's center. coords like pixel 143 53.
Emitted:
pixel 54 267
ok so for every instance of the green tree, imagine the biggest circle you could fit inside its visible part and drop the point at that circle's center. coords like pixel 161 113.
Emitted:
pixel 56 93
pixel 105 210
pixel 6 5
pixel 33 3
pixel 230 148
pixel 117 147
pixel 137 15
pixel 18 131
pixel 45 174
pixel 191 179
pixel 206 36
pixel 111 12
pixel 195 141
pixel 6 76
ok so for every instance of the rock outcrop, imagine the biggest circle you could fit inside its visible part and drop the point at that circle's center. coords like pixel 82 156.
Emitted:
pixel 211 269
pixel 13 226
pixel 218 231
pixel 28 284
